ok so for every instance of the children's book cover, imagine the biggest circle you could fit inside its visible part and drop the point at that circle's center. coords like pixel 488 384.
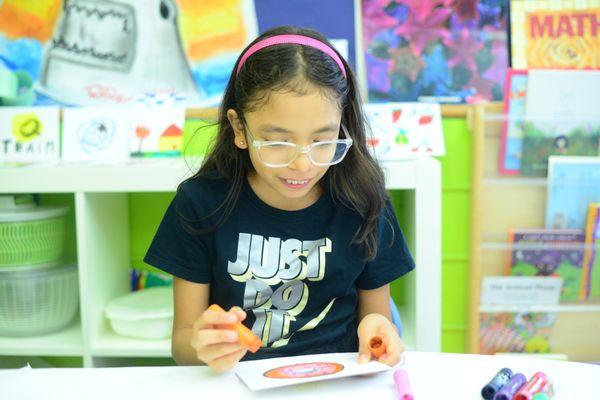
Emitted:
pixel 562 117
pixel 573 184
pixel 29 134
pixel 405 130
pixel 511 332
pixel 511 145
pixel 549 252
pixel 590 284
pixel 555 34
pixel 435 50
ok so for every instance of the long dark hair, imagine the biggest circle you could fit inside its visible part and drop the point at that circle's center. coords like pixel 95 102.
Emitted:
pixel 357 182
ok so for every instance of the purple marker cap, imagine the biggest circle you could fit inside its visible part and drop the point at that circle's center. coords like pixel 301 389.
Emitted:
pixel 402 384
pixel 512 386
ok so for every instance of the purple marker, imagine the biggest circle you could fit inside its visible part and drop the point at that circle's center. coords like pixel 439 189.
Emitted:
pixel 508 391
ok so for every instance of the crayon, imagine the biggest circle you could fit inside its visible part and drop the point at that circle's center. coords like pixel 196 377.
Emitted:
pixel 246 337
pixel 377 346
pixel 498 381
pixel 514 384
pixel 534 385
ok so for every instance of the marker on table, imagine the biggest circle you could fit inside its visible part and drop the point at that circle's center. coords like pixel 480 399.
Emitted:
pixel 246 337
pixel 507 392
pixel 403 385
pixel 534 385
pixel 498 381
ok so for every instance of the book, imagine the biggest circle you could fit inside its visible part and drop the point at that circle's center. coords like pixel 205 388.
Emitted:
pixel 511 144
pixel 590 282
pixel 573 184
pixel 549 252
pixel 554 34
pixel 515 332
pixel 562 118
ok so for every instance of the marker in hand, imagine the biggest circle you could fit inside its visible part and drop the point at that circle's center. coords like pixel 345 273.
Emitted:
pixel 377 346
pixel 246 337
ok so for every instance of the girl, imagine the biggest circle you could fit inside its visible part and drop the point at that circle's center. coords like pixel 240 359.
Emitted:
pixel 287 223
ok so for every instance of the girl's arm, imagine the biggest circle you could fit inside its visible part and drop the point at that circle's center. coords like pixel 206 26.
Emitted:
pixel 374 301
pixel 375 320
pixel 198 334
pixel 190 301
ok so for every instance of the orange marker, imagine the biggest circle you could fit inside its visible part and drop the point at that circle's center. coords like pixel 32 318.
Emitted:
pixel 377 346
pixel 246 337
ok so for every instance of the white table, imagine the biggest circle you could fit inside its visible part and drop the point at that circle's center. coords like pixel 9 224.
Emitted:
pixel 432 375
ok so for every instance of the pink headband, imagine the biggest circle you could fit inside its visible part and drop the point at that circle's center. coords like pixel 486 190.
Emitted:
pixel 291 39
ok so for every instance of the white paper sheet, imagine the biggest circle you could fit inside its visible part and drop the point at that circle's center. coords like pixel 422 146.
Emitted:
pixel 278 372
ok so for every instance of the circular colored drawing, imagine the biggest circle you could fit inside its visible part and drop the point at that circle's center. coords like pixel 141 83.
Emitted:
pixel 304 370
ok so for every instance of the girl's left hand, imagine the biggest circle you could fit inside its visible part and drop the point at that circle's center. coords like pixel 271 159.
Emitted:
pixel 378 325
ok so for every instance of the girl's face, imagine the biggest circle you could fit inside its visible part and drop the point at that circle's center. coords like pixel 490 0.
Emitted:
pixel 287 116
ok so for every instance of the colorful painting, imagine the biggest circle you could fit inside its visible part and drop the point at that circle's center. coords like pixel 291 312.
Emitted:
pixel 450 51
pixel 29 134
pixel 158 131
pixel 88 52
pixel 405 130
pixel 560 34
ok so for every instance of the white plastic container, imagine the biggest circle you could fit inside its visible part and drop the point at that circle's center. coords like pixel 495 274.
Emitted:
pixel 37 299
pixel 145 314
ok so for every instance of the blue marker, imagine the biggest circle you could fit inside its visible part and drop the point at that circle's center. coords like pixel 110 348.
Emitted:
pixel 497 382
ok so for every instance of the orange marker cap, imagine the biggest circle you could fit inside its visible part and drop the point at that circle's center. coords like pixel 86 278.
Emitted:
pixel 377 346
pixel 246 337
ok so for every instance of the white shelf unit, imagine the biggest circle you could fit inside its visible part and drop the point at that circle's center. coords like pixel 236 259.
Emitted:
pixel 103 254
pixel 499 203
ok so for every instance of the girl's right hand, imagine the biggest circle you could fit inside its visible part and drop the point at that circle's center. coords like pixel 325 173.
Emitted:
pixel 216 347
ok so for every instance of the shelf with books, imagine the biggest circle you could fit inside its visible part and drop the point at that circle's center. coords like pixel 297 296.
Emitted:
pixel 534 226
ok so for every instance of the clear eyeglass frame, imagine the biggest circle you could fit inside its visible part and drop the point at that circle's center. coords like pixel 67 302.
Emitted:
pixel 346 142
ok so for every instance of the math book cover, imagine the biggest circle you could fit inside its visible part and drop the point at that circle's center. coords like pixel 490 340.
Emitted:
pixel 555 34
pixel 549 252
pixel 590 285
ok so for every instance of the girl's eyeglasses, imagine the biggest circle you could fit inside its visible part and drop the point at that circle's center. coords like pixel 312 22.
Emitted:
pixel 281 154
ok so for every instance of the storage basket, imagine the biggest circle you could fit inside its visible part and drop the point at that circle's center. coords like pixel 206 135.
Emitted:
pixel 30 234
pixel 37 299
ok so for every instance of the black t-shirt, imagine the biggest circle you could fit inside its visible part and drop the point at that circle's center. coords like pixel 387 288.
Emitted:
pixel 295 273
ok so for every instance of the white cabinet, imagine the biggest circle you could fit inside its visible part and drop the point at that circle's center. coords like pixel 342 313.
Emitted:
pixel 103 254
